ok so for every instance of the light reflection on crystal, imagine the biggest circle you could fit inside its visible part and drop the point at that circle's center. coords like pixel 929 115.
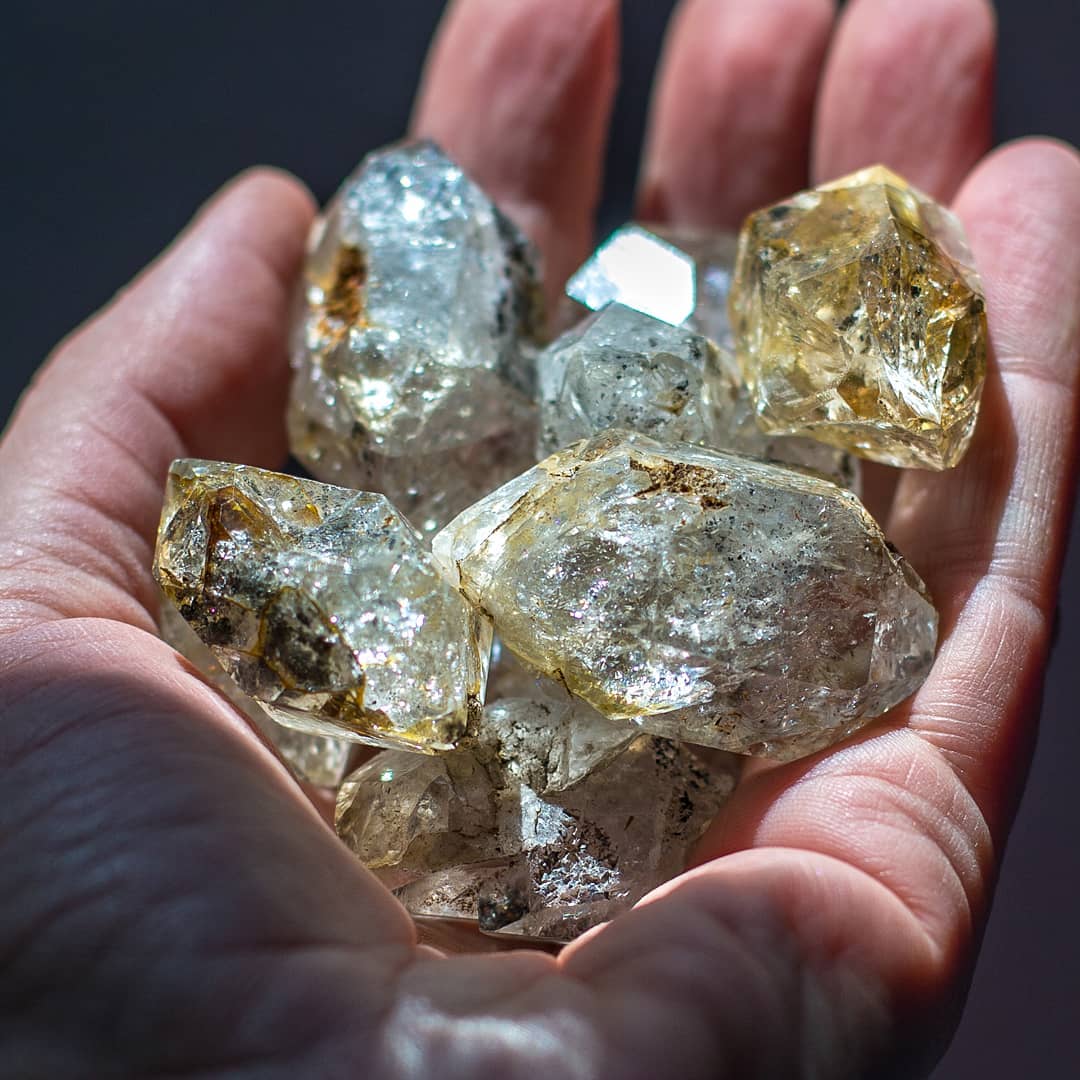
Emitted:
pixel 636 268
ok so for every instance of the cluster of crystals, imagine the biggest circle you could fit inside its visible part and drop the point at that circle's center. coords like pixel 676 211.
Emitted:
pixel 552 821
pixel 684 566
pixel 682 278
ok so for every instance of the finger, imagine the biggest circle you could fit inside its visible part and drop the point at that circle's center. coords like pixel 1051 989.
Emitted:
pixel 730 123
pixel 908 83
pixel 189 360
pixel 520 94
pixel 170 901
pixel 989 536
pixel 760 964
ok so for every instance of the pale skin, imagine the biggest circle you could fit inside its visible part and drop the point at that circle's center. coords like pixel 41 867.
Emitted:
pixel 175 905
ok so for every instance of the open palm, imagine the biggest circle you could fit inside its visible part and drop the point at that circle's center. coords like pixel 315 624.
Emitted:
pixel 173 904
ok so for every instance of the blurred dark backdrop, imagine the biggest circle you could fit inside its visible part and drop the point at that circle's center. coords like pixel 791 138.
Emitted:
pixel 120 118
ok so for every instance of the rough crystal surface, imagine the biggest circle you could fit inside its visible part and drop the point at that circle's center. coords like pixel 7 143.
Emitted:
pixel 860 321
pixel 322 604
pixel 621 368
pixel 318 759
pixel 500 834
pixel 705 596
pixel 414 349
pixel 635 268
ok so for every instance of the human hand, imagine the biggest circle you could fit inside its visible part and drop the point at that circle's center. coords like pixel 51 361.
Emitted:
pixel 173 903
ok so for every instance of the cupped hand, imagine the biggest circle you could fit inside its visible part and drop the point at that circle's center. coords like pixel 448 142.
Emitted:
pixel 174 905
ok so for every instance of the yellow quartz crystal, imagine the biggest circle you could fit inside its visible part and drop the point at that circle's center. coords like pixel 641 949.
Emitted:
pixel 859 320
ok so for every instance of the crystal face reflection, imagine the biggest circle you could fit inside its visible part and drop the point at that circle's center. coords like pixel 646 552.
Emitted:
pixel 636 268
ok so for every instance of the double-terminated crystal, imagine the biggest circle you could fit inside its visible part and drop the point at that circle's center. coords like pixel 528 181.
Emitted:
pixel 681 277
pixel 322 605
pixel 860 321
pixel 705 596
pixel 551 822
pixel 414 357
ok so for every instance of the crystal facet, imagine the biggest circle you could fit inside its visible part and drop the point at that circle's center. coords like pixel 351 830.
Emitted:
pixel 542 828
pixel 638 269
pixel 322 604
pixel 704 596
pixel 414 352
pixel 860 321
pixel 621 368
pixel 634 267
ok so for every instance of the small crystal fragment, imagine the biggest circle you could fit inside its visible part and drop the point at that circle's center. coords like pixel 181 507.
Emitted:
pixel 636 268
pixel 322 604
pixel 414 353
pixel 860 321
pixel 633 267
pixel 705 596
pixel 317 759
pixel 464 835
pixel 621 368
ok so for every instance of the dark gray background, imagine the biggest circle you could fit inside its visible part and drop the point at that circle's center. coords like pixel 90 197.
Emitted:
pixel 122 117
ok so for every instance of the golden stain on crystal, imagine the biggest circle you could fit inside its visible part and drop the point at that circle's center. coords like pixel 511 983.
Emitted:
pixel 343 295
pixel 860 321
pixel 678 478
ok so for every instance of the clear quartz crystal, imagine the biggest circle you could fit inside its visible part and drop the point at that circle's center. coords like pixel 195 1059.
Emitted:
pixel 546 824
pixel 621 368
pixel 321 604
pixel 701 595
pixel 860 321
pixel 684 276
pixel 414 347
